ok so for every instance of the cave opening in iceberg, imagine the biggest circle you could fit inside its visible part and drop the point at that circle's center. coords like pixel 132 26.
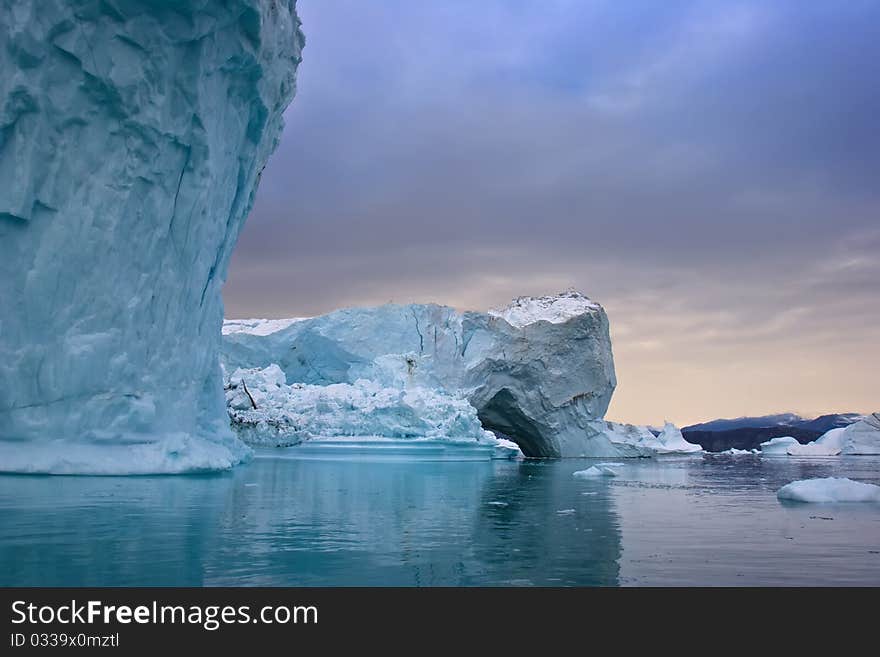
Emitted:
pixel 503 414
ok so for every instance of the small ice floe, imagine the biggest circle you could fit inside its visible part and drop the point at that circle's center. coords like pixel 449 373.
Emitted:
pixel 778 446
pixel 565 512
pixel 590 492
pixel 829 489
pixel 598 470
pixel 733 451
pixel 498 503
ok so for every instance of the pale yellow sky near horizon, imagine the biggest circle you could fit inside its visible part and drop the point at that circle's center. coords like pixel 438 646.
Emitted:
pixel 682 352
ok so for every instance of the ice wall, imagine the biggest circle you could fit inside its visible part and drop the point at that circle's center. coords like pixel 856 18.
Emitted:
pixel 132 136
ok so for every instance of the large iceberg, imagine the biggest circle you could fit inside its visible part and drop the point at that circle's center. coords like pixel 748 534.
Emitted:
pixel 132 136
pixel 539 371
pixel 861 438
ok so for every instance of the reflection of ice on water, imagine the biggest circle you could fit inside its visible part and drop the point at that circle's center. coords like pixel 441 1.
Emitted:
pixel 285 520
pixel 291 521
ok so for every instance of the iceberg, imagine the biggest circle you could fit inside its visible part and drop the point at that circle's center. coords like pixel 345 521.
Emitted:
pixel 642 439
pixel 778 446
pixel 828 490
pixel 861 438
pixel 829 444
pixel 539 371
pixel 132 136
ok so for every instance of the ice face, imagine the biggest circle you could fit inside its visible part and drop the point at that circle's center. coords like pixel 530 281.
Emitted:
pixel 545 383
pixel 132 135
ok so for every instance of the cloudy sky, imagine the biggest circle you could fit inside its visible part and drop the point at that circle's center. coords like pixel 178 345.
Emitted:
pixel 708 171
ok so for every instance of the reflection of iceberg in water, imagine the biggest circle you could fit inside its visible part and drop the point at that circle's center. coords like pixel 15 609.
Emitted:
pixel 349 522
pixel 90 531
pixel 285 521
pixel 526 533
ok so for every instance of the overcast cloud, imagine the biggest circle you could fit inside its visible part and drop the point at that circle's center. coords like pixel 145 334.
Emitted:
pixel 708 171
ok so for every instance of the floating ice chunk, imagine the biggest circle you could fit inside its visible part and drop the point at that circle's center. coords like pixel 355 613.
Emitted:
pixel 671 441
pixel 778 446
pixel 565 512
pixel 506 449
pixel 733 451
pixel 634 440
pixel 861 438
pixel 829 489
pixel 598 470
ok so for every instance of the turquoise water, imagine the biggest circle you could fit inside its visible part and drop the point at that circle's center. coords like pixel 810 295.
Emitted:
pixel 286 520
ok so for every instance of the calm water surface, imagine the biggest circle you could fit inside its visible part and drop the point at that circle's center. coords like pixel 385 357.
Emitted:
pixel 287 521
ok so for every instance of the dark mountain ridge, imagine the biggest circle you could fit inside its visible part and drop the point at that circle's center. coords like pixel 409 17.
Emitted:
pixel 750 432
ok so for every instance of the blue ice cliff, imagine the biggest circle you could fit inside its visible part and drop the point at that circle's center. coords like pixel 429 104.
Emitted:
pixel 539 371
pixel 132 136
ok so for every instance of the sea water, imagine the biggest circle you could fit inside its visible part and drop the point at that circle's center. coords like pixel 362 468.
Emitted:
pixel 291 518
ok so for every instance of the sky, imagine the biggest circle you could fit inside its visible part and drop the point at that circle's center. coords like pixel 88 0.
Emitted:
pixel 708 171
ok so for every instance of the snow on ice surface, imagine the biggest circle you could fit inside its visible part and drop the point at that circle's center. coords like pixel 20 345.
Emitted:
pixel 557 309
pixel 258 326
pixel 828 490
pixel 133 134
